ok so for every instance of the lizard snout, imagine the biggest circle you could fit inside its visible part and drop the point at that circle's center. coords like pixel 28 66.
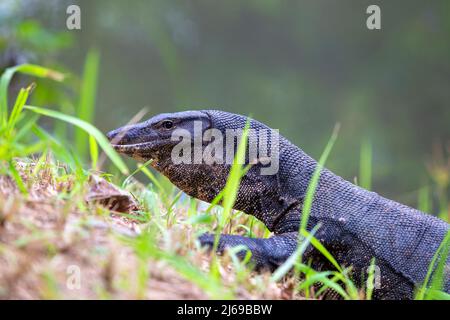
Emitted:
pixel 124 136
pixel 110 135
pixel 117 136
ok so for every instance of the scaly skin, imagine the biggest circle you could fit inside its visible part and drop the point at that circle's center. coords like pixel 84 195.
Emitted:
pixel 356 225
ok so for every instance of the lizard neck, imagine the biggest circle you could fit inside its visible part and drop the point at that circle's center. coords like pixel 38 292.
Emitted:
pixel 334 198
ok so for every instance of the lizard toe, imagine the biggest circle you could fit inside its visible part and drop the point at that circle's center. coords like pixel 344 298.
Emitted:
pixel 206 240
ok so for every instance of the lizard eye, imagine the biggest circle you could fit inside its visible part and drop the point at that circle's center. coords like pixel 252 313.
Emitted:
pixel 167 124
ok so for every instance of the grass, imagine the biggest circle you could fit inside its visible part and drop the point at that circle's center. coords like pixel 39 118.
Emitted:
pixel 95 136
pixel 85 110
pixel 139 240
pixel 365 167
pixel 437 266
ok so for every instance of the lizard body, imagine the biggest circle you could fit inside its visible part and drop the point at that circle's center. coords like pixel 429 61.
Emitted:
pixel 355 224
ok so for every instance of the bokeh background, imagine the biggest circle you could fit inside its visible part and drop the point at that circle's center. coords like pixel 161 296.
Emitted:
pixel 299 66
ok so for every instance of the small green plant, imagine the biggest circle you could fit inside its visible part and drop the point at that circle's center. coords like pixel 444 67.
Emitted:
pixel 86 105
pixel 10 146
pixel 436 274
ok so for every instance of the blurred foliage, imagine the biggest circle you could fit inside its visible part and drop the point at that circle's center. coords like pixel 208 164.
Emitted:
pixel 300 66
pixel 30 34
pixel 24 38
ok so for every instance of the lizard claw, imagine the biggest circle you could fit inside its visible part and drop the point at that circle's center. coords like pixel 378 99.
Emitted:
pixel 206 240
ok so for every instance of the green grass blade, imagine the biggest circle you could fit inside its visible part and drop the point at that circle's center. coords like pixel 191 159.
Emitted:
pixel 322 277
pixel 57 147
pixel 282 270
pixel 93 149
pixel 437 295
pixel 18 107
pixel 152 178
pixel 319 246
pixel 29 69
pixel 138 169
pixel 86 107
pixel 439 276
pixel 365 165
pixel 424 199
pixel 25 128
pixel 90 129
pixel 230 192
pixel 441 251
pixel 315 179
pixel 16 176
pixel 370 280
pixel 234 178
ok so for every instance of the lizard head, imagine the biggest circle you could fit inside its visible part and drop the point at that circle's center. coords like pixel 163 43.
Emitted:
pixel 154 138
pixel 172 141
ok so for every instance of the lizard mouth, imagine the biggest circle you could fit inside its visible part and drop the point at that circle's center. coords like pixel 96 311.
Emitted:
pixel 127 141
pixel 141 150
pixel 132 148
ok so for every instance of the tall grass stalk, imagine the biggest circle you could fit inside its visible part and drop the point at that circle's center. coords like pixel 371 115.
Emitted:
pixel 29 69
pixel 365 165
pixel 230 191
pixel 86 106
pixel 306 238
pixel 427 289
pixel 88 128
pixel 315 179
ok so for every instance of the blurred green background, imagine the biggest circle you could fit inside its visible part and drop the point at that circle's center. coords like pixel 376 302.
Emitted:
pixel 299 66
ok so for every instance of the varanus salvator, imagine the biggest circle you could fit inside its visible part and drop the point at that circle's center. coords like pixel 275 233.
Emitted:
pixel 356 225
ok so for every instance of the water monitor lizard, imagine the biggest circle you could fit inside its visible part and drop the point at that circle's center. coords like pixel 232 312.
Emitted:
pixel 355 224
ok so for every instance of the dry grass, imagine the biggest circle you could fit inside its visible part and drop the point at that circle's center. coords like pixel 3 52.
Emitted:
pixel 62 224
